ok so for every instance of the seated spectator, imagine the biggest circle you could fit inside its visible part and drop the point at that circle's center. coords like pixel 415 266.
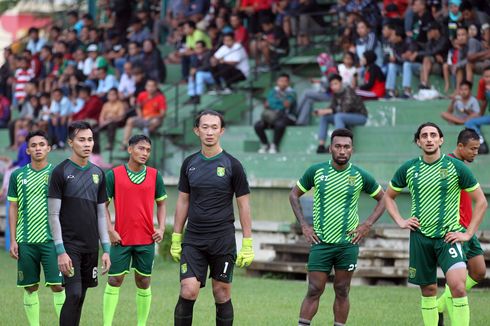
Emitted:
pixel 138 33
pixel 106 82
pixel 4 111
pixel 374 80
pixel 92 105
pixel 397 64
pixel 478 53
pixel 192 36
pixel 255 11
pixel 35 42
pixel 152 62
pixel 112 116
pixel 135 56
pixel 196 9
pixel 44 115
pixel 240 32
pixel 150 108
pixel 22 122
pixel 346 110
pixel 127 84
pixel 200 73
pixel 420 21
pixel 278 106
pixel 348 71
pixel 463 107
pixel 229 63
pixel 306 21
pixel 454 18
pixel 272 45
pixel 483 96
pixel 434 53
pixel 60 110
pixel 367 41
pixel 23 75
pixel 455 66
pixel 369 10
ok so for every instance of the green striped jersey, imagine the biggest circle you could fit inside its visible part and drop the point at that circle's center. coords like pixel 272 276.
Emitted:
pixel 336 197
pixel 435 191
pixel 136 178
pixel 29 188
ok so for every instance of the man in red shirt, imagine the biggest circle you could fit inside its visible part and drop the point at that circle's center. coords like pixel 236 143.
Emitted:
pixel 240 32
pixel 466 151
pixel 91 108
pixel 150 108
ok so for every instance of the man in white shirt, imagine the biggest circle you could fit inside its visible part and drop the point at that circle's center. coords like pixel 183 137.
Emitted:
pixel 229 63
pixel 127 84
pixel 35 43
pixel 106 82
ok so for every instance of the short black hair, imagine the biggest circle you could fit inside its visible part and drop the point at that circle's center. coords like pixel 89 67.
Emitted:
pixel 198 42
pixel 209 112
pixel 466 135
pixel 229 34
pixel 33 30
pixel 416 136
pixel 35 133
pixel 341 132
pixel 138 138
pixel 284 75
pixel 351 55
pixel 467 83
pixel 334 77
pixel 486 68
pixel 191 24
pixel 76 126
pixel 462 27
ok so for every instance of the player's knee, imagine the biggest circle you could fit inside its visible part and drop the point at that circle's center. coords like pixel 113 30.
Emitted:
pixel 115 280
pixel 32 288
pixel 57 288
pixel 479 275
pixel 189 293
pixel 314 291
pixel 142 282
pixel 342 289
pixel 74 296
pixel 221 293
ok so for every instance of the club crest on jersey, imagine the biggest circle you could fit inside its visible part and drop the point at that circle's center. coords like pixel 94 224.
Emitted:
pixel 220 171
pixel 46 178
pixel 183 268
pixel 95 178
pixel 443 173
pixel 411 272
pixel 351 180
pixel 20 276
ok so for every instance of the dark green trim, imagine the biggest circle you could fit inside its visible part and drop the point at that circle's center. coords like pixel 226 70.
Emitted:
pixel 211 158
pixel 83 168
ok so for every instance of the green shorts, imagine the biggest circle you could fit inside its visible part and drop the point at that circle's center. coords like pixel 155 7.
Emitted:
pixel 141 259
pixel 324 256
pixel 428 253
pixel 472 248
pixel 31 257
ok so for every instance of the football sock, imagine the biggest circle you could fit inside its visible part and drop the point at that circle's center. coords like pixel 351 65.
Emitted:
pixel 441 301
pixel 304 322
pixel 59 300
pixel 429 311
pixel 183 312
pixel 461 312
pixel 111 297
pixel 224 313
pixel 31 306
pixel 338 324
pixel 470 283
pixel 143 304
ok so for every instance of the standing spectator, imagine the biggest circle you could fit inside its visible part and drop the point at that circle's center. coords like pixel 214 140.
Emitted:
pixel 463 107
pixel 192 35
pixel 60 111
pixel 478 53
pixel 35 42
pixel 152 62
pixel 200 73
pixel 280 102
pixel 456 61
pixel 346 110
pixel 23 75
pixel 229 63
pixel 272 45
pixel 112 116
pixel 397 64
pixel 420 24
pixel 374 80
pixel 434 53
pixel 150 108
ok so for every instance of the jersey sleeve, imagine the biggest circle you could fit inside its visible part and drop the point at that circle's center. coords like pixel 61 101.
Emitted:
pixel 183 179
pixel 370 186
pixel 239 179
pixel 109 184
pixel 467 180
pixel 160 192
pixel 307 181
pixel 102 195
pixel 56 182
pixel 12 194
pixel 399 180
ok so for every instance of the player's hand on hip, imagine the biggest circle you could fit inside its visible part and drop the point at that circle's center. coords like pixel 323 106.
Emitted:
pixel 411 223
pixel 106 262
pixel 176 247
pixel 453 237
pixel 360 232
pixel 246 254
pixel 14 249
pixel 114 237
pixel 158 235
pixel 65 265
pixel 310 234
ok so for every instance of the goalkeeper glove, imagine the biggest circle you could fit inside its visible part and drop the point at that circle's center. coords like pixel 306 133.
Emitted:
pixel 176 247
pixel 246 254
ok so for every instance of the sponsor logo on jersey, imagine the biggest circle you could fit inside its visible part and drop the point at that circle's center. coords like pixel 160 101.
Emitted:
pixel 443 173
pixel 220 171
pixel 95 178
pixel 351 180
pixel 71 176
pixel 183 268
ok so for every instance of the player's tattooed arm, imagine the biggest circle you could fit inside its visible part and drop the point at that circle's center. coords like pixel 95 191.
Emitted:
pixel 308 231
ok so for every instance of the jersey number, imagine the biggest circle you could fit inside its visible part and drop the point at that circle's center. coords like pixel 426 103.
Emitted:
pixel 94 273
pixel 453 252
pixel 352 267
pixel 226 267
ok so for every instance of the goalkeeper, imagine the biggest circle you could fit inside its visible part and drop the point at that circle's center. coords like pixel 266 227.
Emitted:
pixel 208 181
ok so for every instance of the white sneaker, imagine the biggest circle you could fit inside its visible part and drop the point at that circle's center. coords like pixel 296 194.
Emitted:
pixel 213 92
pixel 263 149
pixel 273 149
pixel 225 91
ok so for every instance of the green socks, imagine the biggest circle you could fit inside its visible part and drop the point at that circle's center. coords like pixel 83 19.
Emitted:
pixel 59 300
pixel 470 283
pixel 111 297
pixel 461 312
pixel 429 311
pixel 143 304
pixel 31 306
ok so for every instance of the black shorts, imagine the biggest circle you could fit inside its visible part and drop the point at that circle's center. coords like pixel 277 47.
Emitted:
pixel 217 254
pixel 85 267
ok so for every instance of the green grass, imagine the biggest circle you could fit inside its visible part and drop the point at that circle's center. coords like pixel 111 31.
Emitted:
pixel 257 302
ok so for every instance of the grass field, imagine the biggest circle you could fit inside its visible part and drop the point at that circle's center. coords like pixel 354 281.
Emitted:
pixel 256 301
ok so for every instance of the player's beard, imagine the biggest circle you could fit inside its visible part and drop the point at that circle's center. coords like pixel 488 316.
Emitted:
pixel 431 152
pixel 343 162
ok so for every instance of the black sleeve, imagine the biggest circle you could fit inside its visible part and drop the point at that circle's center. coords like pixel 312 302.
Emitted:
pixel 370 83
pixel 102 195
pixel 183 179
pixel 56 181
pixel 239 179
